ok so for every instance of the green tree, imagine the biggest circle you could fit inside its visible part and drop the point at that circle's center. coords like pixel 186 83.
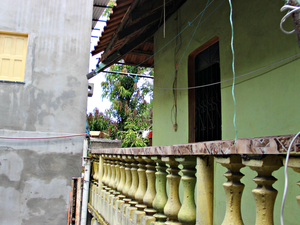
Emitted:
pixel 108 11
pixel 127 99
pixel 98 121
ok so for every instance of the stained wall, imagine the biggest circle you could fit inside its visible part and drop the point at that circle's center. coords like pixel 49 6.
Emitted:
pixel 266 99
pixel 35 175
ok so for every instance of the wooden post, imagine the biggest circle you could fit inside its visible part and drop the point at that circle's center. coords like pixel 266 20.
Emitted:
pixel 78 201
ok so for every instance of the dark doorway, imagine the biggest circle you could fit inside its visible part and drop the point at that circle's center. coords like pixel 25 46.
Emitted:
pixel 205 102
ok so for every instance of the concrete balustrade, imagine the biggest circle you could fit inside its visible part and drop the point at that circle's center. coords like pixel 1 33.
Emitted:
pixel 187 212
pixel 161 197
pixel 142 180
pixel 130 189
pixel 135 180
pixel 128 179
pixel 233 189
pixel 294 163
pixel 264 194
pixel 173 204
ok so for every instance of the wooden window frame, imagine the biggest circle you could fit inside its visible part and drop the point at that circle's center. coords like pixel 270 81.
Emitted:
pixel 191 83
pixel 22 56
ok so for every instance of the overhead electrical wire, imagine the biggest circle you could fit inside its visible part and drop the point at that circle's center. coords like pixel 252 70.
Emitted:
pixel 130 74
pixel 286 179
pixel 292 9
pixel 199 22
pixel 193 31
pixel 211 84
pixel 243 75
pixel 201 86
pixel 189 24
pixel 36 138
pixel 233 72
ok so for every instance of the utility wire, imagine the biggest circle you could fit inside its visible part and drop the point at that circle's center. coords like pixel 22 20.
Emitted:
pixel 189 24
pixel 223 81
pixel 233 72
pixel 199 22
pixel 36 138
pixel 129 74
pixel 286 179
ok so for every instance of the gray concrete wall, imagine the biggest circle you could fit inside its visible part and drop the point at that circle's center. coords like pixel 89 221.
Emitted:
pixel 53 98
pixel 35 175
pixel 97 143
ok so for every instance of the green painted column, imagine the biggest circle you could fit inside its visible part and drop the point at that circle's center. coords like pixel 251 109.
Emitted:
pixel 187 212
pixel 122 174
pixel 205 190
pixel 142 181
pixel 149 217
pixel 150 175
pixel 161 197
pixel 233 188
pixel 294 163
pixel 128 179
pixel 135 180
pixel 107 170
pixel 118 173
pixel 264 194
pixel 113 171
pixel 173 204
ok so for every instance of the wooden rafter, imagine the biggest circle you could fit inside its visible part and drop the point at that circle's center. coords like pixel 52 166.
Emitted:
pixel 147 8
pixel 142 23
pixel 132 39
pixel 121 25
pixel 117 55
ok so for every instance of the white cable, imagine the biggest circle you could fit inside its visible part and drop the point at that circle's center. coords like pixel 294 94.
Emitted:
pixel 292 10
pixel 36 138
pixel 223 81
pixel 286 177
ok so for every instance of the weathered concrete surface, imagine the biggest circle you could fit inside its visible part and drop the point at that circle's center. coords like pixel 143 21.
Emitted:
pixel 99 143
pixel 56 64
pixel 35 175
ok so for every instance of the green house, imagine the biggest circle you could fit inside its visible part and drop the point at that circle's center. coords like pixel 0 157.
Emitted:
pixel 196 97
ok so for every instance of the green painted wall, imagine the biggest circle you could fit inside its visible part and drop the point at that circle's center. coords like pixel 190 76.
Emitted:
pixel 267 101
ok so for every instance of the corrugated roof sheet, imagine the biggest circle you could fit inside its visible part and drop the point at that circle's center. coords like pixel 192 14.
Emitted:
pixel 98 11
pixel 129 31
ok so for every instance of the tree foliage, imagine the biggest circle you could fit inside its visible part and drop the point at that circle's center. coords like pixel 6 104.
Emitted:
pixel 98 121
pixel 129 112
pixel 108 11
pixel 127 99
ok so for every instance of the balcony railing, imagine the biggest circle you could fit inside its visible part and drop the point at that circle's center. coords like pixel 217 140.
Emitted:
pixel 141 185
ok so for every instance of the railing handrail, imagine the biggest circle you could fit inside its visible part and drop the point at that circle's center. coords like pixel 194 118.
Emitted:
pixel 251 146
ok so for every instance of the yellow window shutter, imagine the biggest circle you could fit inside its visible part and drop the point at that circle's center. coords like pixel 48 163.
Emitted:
pixel 13 49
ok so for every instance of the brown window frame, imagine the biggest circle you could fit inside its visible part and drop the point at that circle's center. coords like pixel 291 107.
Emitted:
pixel 191 83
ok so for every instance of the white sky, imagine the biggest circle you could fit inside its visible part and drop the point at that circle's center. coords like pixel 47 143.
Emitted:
pixel 96 99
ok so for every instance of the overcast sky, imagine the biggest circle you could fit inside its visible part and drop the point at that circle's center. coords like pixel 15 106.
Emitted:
pixel 96 100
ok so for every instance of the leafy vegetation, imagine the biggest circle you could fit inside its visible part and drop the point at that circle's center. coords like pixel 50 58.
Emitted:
pixel 108 11
pixel 130 112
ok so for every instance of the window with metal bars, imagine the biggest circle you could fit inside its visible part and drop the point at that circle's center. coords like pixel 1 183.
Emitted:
pixel 208 99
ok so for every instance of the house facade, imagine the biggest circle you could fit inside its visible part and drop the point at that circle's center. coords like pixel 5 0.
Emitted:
pixel 194 104
pixel 258 43
pixel 265 100
pixel 44 56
